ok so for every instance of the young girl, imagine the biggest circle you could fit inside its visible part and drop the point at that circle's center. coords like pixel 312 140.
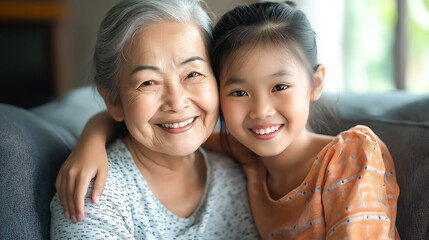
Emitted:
pixel 301 185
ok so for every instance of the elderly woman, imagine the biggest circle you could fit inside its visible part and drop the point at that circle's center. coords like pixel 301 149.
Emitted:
pixel 153 71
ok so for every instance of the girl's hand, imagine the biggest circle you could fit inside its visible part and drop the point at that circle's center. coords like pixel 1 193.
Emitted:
pixel 87 161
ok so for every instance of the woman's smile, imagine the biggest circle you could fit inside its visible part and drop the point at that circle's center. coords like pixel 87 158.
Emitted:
pixel 178 126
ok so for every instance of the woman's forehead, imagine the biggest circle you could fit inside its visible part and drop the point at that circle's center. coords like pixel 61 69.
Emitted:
pixel 167 39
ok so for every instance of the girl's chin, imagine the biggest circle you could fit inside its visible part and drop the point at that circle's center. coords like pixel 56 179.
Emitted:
pixel 266 152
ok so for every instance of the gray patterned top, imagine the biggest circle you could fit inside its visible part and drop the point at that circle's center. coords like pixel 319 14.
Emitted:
pixel 129 210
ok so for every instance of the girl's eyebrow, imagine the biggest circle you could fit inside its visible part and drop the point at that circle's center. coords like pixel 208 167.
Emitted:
pixel 231 81
pixel 281 73
pixel 150 67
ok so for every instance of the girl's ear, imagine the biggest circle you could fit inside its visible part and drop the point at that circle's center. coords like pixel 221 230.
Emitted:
pixel 115 110
pixel 318 83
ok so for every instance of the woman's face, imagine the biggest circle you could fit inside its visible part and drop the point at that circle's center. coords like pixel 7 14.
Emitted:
pixel 168 93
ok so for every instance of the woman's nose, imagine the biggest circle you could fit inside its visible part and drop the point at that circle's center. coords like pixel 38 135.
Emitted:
pixel 261 108
pixel 175 98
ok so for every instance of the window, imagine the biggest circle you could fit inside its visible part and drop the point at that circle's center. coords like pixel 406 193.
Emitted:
pixel 372 46
pixel 417 75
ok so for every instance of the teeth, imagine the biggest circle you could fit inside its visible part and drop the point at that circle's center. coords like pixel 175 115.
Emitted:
pixel 266 130
pixel 177 125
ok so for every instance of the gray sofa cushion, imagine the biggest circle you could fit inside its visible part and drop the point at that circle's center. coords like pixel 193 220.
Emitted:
pixel 32 151
pixel 398 106
pixel 33 146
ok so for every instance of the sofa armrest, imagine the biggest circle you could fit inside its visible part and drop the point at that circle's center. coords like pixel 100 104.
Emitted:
pixel 73 110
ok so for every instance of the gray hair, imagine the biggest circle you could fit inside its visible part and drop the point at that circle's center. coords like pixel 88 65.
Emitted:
pixel 127 17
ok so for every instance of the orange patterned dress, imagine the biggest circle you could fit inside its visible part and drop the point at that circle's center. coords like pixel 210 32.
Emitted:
pixel 350 193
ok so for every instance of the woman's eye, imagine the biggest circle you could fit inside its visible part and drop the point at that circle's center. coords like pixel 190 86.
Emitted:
pixel 147 83
pixel 279 87
pixel 193 74
pixel 239 93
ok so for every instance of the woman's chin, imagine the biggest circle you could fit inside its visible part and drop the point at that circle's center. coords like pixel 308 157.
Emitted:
pixel 184 146
pixel 179 147
pixel 181 151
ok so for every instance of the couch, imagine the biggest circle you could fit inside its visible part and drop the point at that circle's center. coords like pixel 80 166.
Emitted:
pixel 35 142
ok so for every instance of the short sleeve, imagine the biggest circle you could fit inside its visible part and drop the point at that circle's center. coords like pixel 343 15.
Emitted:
pixel 360 191
pixel 110 219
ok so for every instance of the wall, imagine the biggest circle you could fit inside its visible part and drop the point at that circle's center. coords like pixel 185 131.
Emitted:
pixel 84 21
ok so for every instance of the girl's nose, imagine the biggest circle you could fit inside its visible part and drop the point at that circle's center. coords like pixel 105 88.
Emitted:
pixel 261 108
pixel 175 98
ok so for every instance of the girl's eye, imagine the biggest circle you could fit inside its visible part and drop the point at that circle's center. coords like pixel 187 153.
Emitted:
pixel 193 74
pixel 147 83
pixel 279 87
pixel 238 93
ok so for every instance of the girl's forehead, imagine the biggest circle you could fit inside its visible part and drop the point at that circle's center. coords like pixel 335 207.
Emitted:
pixel 250 58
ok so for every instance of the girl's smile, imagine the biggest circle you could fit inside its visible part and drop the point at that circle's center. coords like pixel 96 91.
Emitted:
pixel 266 132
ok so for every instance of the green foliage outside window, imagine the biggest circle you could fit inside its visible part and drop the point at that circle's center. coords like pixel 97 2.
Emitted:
pixel 418 51
pixel 369 37
pixel 368 42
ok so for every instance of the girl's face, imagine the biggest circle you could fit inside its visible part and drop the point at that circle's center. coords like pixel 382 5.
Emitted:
pixel 168 93
pixel 265 98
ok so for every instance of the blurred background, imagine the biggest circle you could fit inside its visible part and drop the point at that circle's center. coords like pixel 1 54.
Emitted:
pixel 367 46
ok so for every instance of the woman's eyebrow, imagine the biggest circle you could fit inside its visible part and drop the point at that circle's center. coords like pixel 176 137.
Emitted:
pixel 191 59
pixel 149 67
pixel 144 67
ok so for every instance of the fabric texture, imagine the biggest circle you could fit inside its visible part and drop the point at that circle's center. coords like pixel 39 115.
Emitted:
pixel 350 191
pixel 129 210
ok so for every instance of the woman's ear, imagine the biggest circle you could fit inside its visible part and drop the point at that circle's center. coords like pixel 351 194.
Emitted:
pixel 115 110
pixel 318 83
